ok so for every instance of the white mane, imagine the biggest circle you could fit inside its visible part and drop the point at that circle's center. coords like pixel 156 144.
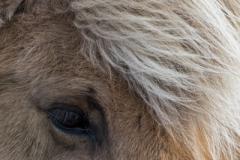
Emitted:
pixel 182 58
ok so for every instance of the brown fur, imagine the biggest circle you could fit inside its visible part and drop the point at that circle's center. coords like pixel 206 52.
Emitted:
pixel 41 64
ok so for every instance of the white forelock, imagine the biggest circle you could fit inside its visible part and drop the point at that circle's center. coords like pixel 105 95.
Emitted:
pixel 181 57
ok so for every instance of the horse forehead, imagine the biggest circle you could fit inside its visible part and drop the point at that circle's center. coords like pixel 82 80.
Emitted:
pixel 44 52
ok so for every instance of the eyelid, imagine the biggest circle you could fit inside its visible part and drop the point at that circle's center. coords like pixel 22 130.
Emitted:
pixel 78 119
pixel 74 130
pixel 78 130
pixel 65 106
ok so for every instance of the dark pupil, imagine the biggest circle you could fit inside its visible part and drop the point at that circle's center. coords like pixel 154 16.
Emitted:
pixel 69 119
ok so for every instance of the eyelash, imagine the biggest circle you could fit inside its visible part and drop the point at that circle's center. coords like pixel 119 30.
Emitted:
pixel 70 120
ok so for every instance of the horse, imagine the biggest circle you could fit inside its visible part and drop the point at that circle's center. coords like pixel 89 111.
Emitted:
pixel 126 79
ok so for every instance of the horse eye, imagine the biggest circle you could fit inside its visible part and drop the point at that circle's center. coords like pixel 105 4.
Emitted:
pixel 69 119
